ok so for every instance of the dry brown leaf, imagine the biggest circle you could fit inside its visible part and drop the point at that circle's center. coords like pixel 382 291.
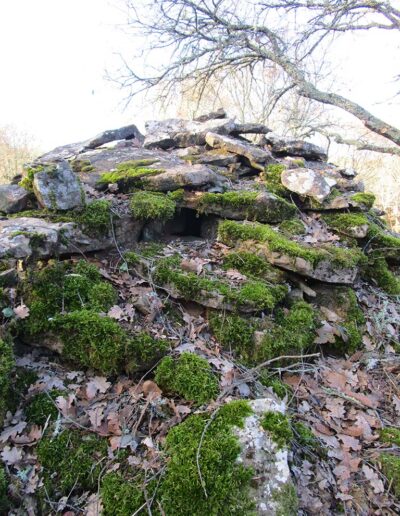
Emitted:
pixel 11 455
pixel 95 385
pixel 21 311
pixel 373 479
pixel 12 431
pixel 151 390
pixel 115 312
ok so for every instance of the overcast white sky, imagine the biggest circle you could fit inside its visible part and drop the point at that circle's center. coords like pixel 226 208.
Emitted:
pixel 54 54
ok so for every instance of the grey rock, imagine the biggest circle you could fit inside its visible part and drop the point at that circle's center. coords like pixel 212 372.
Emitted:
pixel 263 455
pixel 183 133
pixel 184 175
pixel 13 198
pixel 250 129
pixel 58 188
pixel 216 158
pixel 348 172
pixel 316 184
pixel 256 156
pixel 214 115
pixel 291 147
pixel 129 132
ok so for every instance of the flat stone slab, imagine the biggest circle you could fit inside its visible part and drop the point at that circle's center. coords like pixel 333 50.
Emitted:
pixel 22 237
pixel 13 198
pixel 184 176
pixel 282 146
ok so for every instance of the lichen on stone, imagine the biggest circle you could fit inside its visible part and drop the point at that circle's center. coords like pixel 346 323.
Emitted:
pixel 189 376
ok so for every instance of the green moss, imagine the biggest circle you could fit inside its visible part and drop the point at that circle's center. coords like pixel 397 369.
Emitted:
pixel 278 425
pixel 225 480
pixel 177 195
pixel 4 500
pixel 64 287
pixel 390 435
pixel 304 435
pixel 293 332
pixel 82 165
pixel 286 500
pixel 272 177
pixel 256 294
pixel 6 366
pixel 189 376
pixel 122 497
pixel 143 351
pixel 353 322
pixel 378 271
pixel 27 181
pixel 130 172
pixel 383 242
pixel 391 469
pixel 42 407
pixel 234 333
pixel 292 227
pixel 252 266
pixel 367 199
pixel 92 341
pixel 345 222
pixel 279 388
pixel 230 232
pixel 149 206
pixel 246 203
pixel 96 217
pixel 71 462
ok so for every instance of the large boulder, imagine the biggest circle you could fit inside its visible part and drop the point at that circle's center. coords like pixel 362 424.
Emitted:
pixel 282 146
pixel 56 187
pixel 183 133
pixel 307 182
pixel 257 157
pixel 129 132
pixel 13 198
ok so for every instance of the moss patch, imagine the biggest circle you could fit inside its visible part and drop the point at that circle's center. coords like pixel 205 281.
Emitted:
pixel 234 333
pixel 130 173
pixel 71 462
pixel 391 469
pixel 149 206
pixel 122 497
pixel 367 199
pixel 189 376
pixel 390 435
pixel 292 227
pixel 4 501
pixel 287 501
pixel 42 407
pixel 252 293
pixel 278 425
pixel 27 181
pixel 346 222
pixel 226 481
pixel 142 352
pixel 293 332
pixel 383 243
pixel 272 177
pixel 378 270
pixel 253 266
pixel 354 320
pixel 230 232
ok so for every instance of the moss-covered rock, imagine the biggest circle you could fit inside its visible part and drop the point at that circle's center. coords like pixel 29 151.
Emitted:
pixel 235 333
pixel 189 376
pixel 149 206
pixel 351 224
pixel 251 295
pixel 71 462
pixel 292 227
pixel 225 480
pixel 383 243
pixel 278 425
pixel 42 407
pixel 142 352
pixel 124 497
pixel 327 263
pixel 366 199
pixel 129 173
pixel 378 272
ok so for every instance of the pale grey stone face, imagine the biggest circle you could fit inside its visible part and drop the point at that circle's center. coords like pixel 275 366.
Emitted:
pixel 308 182
pixel 13 198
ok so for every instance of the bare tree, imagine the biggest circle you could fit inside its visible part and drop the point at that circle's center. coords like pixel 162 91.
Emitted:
pixel 16 148
pixel 203 39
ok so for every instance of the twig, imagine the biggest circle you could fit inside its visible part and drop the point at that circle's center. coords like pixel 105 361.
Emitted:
pixel 203 485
